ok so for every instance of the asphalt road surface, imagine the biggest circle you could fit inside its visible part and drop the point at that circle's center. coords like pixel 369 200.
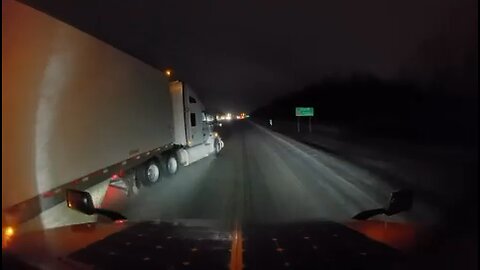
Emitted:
pixel 259 177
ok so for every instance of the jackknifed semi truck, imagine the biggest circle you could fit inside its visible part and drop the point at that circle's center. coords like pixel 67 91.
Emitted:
pixel 78 113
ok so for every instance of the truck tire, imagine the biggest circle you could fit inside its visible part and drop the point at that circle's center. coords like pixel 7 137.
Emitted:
pixel 171 165
pixel 148 173
pixel 217 147
pixel 182 157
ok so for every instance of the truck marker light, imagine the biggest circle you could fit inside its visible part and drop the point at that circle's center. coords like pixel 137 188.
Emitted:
pixel 9 231
pixel 148 153
pixel 7 236
pixel 137 157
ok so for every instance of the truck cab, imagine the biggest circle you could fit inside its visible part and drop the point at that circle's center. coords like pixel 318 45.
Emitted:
pixel 196 126
pixel 192 128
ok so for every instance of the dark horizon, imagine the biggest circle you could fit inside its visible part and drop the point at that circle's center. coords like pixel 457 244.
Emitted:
pixel 242 56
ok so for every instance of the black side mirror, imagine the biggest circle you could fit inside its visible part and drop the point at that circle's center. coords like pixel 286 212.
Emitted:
pixel 400 201
pixel 80 201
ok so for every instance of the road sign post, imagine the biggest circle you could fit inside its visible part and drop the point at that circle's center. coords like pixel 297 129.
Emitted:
pixel 310 124
pixel 304 112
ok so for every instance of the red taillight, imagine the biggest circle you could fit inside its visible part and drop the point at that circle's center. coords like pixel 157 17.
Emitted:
pixel 48 194
pixel 76 181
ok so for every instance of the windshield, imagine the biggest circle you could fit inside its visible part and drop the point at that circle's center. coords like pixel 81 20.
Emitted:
pixel 247 114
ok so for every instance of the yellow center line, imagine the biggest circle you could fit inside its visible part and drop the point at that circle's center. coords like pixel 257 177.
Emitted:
pixel 236 256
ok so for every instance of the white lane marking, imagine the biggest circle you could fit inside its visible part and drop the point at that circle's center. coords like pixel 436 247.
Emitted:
pixel 306 198
pixel 310 158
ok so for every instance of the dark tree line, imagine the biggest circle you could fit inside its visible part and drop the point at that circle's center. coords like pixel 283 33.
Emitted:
pixel 368 105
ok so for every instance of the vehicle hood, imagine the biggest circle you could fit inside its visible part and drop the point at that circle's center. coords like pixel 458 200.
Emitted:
pixel 206 245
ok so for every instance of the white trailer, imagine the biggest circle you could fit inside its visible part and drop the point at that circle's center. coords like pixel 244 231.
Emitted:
pixel 76 111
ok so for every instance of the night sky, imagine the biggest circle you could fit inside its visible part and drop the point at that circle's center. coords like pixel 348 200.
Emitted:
pixel 241 54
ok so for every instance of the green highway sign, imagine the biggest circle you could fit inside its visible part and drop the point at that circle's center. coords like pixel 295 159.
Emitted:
pixel 304 111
